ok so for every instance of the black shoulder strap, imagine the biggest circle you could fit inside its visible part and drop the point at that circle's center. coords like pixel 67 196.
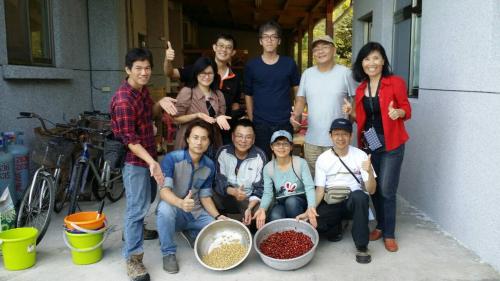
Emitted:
pixel 356 178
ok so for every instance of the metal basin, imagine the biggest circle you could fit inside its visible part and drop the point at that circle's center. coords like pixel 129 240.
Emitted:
pixel 283 225
pixel 222 232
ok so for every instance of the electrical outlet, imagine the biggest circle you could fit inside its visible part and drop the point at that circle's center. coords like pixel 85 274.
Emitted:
pixel 106 89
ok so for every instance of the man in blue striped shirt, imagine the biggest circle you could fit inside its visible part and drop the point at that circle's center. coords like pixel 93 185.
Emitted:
pixel 186 197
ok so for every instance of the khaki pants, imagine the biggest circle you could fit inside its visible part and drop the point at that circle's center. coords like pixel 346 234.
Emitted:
pixel 311 153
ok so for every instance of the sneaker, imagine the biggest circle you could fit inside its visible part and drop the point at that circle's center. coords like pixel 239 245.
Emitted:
pixel 362 255
pixel 170 264
pixel 185 234
pixel 136 269
pixel 148 234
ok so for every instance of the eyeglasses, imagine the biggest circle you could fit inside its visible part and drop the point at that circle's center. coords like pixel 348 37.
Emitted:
pixel 206 74
pixel 266 37
pixel 283 144
pixel 244 137
pixel 321 48
pixel 224 47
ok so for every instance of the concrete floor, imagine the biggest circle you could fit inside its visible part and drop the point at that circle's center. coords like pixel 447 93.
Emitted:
pixel 426 253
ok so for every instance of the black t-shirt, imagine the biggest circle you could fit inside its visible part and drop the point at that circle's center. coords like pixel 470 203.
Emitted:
pixel 377 121
pixel 231 86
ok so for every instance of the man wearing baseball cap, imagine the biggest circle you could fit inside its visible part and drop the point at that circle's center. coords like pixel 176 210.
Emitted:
pixel 323 87
pixel 344 179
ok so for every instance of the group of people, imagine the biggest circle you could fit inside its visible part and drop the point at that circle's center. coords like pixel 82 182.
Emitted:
pixel 223 164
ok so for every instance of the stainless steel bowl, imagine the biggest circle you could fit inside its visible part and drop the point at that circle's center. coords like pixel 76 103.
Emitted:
pixel 283 225
pixel 222 232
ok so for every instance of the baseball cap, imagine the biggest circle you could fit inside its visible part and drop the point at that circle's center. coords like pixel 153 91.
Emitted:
pixel 322 38
pixel 341 124
pixel 281 133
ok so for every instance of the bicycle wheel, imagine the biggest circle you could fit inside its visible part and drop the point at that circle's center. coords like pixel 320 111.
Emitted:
pixel 75 187
pixel 37 212
pixel 98 190
pixel 62 191
pixel 116 189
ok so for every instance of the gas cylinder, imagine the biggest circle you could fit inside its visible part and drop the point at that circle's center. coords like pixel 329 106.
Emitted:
pixel 7 178
pixel 20 152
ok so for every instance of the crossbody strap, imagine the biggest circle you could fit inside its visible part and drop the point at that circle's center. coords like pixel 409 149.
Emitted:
pixel 356 178
pixel 370 98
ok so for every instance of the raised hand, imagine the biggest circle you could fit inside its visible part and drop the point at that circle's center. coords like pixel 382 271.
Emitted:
pixel 168 104
pixel 394 113
pixel 169 52
pixel 222 122
pixel 367 164
pixel 347 107
pixel 260 218
pixel 187 203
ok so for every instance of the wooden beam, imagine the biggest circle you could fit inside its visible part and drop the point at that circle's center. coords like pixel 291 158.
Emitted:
pixel 329 14
pixel 299 50
pixel 310 30
pixel 285 7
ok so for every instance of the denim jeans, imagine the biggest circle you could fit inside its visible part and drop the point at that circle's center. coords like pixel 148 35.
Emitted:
pixel 387 165
pixel 171 219
pixel 263 133
pixel 288 207
pixel 136 181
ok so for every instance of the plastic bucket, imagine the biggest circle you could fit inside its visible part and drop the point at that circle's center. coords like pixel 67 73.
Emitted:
pixel 86 248
pixel 18 247
pixel 86 220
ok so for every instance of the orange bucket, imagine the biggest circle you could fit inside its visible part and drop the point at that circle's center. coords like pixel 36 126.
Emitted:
pixel 86 220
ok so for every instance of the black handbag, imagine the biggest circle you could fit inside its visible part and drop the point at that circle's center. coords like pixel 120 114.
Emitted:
pixel 114 152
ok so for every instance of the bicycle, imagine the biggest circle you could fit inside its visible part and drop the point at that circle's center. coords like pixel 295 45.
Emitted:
pixel 100 170
pixel 51 152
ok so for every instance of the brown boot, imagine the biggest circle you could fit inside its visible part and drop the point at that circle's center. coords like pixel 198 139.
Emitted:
pixel 136 269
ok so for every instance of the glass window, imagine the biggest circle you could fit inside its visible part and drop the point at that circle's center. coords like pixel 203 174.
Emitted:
pixel 406 43
pixel 367 27
pixel 28 26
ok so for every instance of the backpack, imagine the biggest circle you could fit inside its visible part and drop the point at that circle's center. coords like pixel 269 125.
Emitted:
pixel 296 168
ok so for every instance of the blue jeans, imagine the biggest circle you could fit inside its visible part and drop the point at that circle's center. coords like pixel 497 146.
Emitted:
pixel 171 219
pixel 387 165
pixel 136 181
pixel 263 133
pixel 288 207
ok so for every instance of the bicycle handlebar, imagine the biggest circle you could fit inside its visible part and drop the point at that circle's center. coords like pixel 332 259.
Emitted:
pixel 24 114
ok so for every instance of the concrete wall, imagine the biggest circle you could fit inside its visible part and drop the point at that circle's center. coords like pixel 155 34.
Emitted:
pixel 452 160
pixel 63 91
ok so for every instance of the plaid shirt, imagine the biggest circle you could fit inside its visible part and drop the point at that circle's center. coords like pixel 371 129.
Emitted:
pixel 132 120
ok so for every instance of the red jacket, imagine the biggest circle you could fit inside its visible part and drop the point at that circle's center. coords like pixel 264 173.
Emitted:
pixel 392 88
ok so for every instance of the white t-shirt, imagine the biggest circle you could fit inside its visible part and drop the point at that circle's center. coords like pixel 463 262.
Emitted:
pixel 331 172
pixel 324 93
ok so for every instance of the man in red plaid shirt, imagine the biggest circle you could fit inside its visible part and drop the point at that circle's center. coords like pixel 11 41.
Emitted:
pixel 132 111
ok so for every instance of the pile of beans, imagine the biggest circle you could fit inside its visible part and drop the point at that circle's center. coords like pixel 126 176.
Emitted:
pixel 286 245
pixel 225 256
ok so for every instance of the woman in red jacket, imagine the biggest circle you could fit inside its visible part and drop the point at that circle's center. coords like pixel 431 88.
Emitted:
pixel 381 107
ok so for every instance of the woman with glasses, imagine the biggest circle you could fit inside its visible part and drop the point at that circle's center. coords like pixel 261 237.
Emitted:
pixel 381 108
pixel 288 180
pixel 202 100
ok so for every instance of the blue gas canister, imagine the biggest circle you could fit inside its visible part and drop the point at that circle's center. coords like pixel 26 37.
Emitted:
pixel 6 169
pixel 20 152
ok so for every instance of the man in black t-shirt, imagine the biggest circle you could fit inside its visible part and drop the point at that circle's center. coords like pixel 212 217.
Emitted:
pixel 224 48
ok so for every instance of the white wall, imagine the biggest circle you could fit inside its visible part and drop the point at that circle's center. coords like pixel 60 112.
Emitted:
pixel 452 161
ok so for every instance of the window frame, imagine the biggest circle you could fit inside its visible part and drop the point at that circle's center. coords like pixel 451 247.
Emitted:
pixel 48 38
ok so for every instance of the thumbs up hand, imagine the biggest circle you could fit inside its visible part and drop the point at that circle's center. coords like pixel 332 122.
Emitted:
pixel 367 164
pixel 169 52
pixel 394 113
pixel 347 107
pixel 187 203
